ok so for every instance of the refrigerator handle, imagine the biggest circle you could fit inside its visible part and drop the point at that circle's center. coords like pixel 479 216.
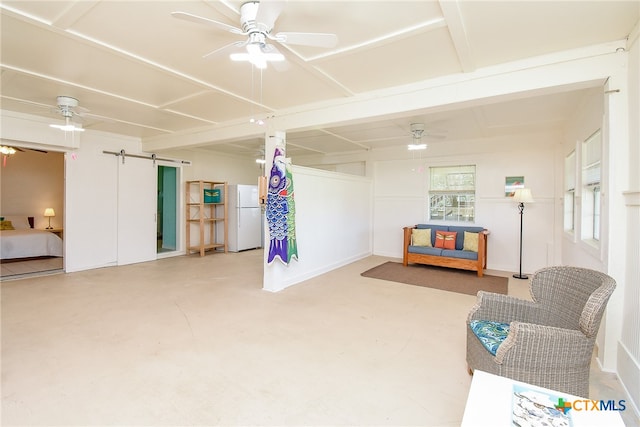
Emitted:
pixel 238 207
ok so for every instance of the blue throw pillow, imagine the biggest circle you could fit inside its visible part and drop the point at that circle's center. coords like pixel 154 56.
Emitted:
pixel 491 334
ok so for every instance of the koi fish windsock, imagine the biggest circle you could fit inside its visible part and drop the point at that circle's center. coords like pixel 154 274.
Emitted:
pixel 280 212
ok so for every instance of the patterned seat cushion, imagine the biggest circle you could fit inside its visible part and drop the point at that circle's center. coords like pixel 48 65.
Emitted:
pixel 491 334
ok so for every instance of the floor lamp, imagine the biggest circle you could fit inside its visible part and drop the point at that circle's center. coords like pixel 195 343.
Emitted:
pixel 522 196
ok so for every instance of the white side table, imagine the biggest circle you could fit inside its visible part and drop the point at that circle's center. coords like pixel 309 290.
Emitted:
pixel 491 397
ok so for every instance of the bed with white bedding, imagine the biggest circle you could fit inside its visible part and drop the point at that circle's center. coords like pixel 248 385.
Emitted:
pixel 23 241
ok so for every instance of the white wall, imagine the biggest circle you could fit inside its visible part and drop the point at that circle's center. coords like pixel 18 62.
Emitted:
pixel 401 187
pixel 211 166
pixel 628 348
pixel 333 226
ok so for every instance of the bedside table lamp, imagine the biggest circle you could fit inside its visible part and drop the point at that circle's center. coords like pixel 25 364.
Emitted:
pixel 49 212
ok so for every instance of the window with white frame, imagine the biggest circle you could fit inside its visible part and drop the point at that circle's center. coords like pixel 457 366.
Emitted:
pixel 452 193
pixel 569 191
pixel 591 196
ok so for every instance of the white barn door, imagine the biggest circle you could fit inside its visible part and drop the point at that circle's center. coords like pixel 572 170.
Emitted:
pixel 137 188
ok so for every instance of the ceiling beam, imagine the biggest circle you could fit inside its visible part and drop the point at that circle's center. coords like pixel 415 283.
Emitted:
pixel 73 13
pixel 421 27
pixel 359 144
pixel 550 74
pixel 458 32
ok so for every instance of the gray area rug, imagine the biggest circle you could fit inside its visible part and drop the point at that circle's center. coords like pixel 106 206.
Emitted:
pixel 446 279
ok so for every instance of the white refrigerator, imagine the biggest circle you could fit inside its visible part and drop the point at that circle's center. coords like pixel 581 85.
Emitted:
pixel 245 218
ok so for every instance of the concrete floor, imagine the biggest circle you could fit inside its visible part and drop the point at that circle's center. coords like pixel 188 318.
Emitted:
pixel 196 341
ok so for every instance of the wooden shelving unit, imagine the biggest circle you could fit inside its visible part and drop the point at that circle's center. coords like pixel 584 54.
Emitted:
pixel 208 217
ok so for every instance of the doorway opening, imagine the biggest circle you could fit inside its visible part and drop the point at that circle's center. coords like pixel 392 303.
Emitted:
pixel 32 182
pixel 167 212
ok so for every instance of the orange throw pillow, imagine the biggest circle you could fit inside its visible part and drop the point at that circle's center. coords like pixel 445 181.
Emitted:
pixel 446 239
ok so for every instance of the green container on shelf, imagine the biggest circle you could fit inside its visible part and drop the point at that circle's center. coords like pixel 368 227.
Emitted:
pixel 212 195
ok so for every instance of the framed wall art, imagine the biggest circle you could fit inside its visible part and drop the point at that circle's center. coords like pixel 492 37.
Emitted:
pixel 511 184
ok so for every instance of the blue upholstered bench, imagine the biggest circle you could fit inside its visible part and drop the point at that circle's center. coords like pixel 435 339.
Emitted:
pixel 463 247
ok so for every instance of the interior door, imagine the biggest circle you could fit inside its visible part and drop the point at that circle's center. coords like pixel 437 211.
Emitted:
pixel 137 181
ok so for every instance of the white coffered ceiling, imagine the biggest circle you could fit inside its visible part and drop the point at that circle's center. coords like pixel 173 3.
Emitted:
pixel 140 72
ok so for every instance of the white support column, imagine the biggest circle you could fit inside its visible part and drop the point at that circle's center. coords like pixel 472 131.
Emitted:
pixel 616 168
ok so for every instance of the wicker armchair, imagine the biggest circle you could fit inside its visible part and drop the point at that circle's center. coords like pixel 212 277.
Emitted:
pixel 548 341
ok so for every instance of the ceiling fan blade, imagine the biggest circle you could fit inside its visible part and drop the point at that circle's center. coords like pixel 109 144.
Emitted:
pixel 209 22
pixel 307 39
pixel 225 48
pixel 268 12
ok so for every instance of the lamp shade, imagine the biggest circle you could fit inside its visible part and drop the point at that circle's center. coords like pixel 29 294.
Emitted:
pixel 523 195
pixel 49 212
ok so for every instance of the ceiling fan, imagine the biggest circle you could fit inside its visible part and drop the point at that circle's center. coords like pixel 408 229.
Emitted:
pixel 68 108
pixel 417 132
pixel 257 19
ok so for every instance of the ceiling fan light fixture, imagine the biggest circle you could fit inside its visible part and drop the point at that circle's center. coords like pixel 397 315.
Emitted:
pixel 68 127
pixel 254 121
pixel 256 56
pixel 7 151
pixel 417 130
pixel 66 106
